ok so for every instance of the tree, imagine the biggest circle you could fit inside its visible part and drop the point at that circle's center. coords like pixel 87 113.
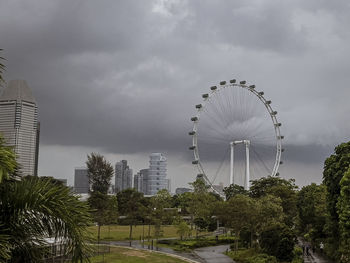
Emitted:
pixel 7 160
pixel 312 211
pixel 160 202
pixel 234 189
pixel 131 205
pixel 238 213
pixel 335 167
pixel 104 210
pixel 100 173
pixel 279 187
pixel 32 209
pixel 182 229
pixel 343 208
pixel 201 205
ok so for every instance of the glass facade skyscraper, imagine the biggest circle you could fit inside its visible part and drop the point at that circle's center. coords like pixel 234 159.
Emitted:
pixel 19 124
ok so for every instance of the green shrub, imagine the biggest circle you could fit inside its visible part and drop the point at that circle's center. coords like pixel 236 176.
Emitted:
pixel 251 256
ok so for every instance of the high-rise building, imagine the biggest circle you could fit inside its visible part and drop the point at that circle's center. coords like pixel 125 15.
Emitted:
pixel 157 174
pixel 140 181
pixel 81 180
pixel 19 124
pixel 123 176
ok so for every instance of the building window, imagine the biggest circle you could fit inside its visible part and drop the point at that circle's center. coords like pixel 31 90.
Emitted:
pixel 157 188
pixel 157 183
pixel 157 168
pixel 157 173
pixel 157 178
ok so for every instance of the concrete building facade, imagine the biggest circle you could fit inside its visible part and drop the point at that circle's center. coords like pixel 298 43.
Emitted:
pixel 140 181
pixel 123 176
pixel 81 180
pixel 19 124
pixel 156 179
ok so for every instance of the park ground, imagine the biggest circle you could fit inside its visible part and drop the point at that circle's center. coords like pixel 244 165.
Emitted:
pixel 127 255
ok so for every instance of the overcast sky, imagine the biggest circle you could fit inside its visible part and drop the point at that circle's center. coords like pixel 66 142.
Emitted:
pixel 122 77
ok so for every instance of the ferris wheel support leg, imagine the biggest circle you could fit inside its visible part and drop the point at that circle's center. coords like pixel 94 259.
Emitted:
pixel 247 172
pixel 231 166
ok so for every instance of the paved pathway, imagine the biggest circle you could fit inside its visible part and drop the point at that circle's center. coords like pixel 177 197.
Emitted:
pixel 214 254
pixel 315 258
pixel 312 257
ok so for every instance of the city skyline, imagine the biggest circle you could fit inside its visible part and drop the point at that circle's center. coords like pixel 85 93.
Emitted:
pixel 127 88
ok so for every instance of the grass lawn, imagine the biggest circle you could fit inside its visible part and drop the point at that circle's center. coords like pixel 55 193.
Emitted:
pixel 125 255
pixel 116 232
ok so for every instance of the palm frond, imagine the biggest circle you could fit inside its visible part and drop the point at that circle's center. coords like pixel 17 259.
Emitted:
pixel 34 209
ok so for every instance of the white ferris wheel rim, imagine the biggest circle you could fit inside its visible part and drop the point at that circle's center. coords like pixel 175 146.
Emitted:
pixel 267 103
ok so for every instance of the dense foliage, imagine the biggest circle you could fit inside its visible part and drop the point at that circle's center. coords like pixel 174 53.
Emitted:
pixel 33 209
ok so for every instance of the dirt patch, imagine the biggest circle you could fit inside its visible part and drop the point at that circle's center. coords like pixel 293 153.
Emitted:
pixel 135 253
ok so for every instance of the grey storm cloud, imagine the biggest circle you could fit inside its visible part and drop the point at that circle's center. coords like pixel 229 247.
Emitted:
pixel 124 76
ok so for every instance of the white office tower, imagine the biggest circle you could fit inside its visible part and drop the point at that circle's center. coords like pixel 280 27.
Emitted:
pixel 123 176
pixel 19 124
pixel 81 180
pixel 157 174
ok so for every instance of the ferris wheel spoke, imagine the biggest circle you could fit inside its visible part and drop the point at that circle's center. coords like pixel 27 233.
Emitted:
pixel 221 164
pixel 218 112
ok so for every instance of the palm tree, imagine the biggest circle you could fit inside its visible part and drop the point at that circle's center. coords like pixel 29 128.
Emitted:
pixel 7 160
pixel 33 209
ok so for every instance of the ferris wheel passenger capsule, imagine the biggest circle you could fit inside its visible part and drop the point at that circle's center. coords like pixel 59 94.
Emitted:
pixel 281 162
pixel 281 137
pixel 282 150
pixel 204 96
pixel 198 106
pixel 214 87
pixel 274 113
pixel 195 162
pixel 252 86
pixel 261 93
pixel 268 102
pixel 222 82
pixel 243 82
pixel 278 124
pixel 232 81
pixel 192 133
pixel 192 147
pixel 194 119
pixel 277 174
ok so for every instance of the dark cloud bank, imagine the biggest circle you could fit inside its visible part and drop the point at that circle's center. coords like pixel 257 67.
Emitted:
pixel 124 76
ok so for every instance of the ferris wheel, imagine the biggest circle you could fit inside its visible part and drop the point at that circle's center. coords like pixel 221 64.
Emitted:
pixel 236 135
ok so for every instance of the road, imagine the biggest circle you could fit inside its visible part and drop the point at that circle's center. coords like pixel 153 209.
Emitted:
pixel 214 254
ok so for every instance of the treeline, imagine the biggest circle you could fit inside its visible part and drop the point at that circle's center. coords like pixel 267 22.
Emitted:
pixel 269 217
pixel 263 217
pixel 324 210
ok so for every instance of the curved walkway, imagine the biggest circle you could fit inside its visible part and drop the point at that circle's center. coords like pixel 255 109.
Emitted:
pixel 214 254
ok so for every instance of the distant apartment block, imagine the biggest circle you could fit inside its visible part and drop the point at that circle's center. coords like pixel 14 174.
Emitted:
pixel 81 181
pixel 140 181
pixel 123 176
pixel 156 178
pixel 19 124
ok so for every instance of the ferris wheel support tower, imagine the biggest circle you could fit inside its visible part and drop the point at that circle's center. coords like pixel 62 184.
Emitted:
pixel 247 173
